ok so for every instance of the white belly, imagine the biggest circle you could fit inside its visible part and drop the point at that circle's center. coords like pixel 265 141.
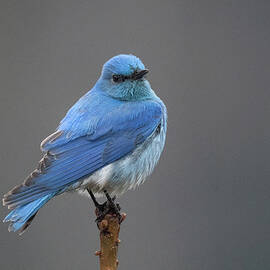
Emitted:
pixel 129 171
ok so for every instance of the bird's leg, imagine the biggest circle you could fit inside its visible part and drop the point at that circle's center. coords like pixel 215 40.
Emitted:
pixel 114 208
pixel 100 207
pixel 109 207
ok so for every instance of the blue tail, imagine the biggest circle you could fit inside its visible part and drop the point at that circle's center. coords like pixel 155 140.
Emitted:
pixel 21 217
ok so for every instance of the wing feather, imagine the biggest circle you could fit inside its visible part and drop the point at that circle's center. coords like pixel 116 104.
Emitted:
pixel 67 161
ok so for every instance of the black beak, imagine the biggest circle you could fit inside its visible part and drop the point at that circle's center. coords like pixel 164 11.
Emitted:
pixel 139 74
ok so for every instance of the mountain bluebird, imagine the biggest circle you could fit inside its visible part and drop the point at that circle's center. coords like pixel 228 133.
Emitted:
pixel 108 142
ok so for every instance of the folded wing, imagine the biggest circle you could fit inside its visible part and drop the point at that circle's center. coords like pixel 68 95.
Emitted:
pixel 67 161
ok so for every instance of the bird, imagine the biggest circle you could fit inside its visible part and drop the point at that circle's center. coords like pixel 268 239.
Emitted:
pixel 109 141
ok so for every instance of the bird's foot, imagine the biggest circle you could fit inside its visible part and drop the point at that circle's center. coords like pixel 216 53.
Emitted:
pixel 109 207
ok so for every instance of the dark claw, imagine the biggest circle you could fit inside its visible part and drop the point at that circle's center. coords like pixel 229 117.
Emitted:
pixel 118 206
pixel 101 207
pixel 101 213
pixel 109 207
pixel 114 207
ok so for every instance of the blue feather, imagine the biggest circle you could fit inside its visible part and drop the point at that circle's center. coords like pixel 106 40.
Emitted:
pixel 19 217
pixel 109 142
pixel 107 124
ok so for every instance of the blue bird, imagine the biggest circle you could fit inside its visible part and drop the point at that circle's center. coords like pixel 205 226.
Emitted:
pixel 109 141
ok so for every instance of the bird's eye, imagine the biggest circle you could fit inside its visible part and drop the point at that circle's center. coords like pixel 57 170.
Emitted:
pixel 117 78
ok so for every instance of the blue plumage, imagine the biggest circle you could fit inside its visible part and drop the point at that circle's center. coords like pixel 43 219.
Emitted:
pixel 110 139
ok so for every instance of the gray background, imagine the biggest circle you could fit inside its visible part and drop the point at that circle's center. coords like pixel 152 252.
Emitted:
pixel 206 206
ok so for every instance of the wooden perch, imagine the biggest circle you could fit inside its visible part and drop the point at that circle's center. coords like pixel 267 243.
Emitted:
pixel 109 232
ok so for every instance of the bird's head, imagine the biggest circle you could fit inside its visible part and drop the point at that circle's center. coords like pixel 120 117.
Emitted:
pixel 123 77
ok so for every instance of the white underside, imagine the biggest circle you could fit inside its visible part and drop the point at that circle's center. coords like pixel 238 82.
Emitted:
pixel 126 173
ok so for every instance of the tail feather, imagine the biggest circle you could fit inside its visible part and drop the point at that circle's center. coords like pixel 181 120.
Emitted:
pixel 23 200
pixel 21 217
